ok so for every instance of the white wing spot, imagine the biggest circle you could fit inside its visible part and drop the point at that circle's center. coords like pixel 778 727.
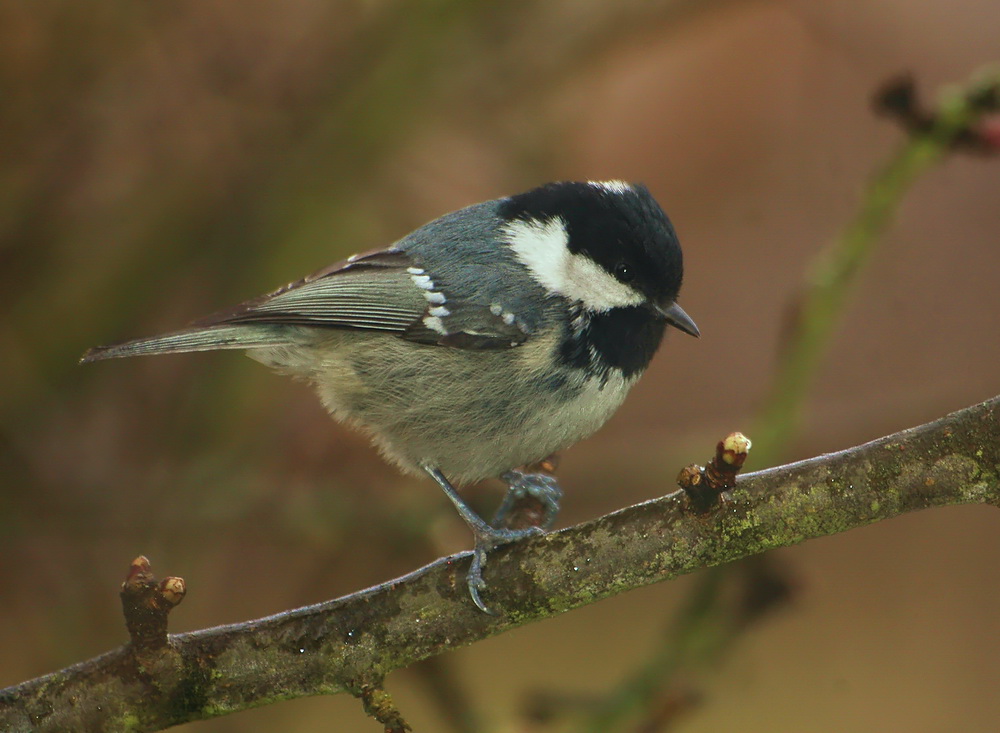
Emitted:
pixel 434 323
pixel 423 281
pixel 435 299
pixel 506 316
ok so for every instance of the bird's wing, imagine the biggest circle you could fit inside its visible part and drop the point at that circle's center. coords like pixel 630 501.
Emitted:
pixel 381 291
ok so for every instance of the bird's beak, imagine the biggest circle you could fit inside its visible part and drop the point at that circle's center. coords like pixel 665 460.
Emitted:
pixel 677 318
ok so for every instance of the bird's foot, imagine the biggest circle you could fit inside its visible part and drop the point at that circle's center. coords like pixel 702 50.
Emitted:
pixel 487 539
pixel 539 486
pixel 543 488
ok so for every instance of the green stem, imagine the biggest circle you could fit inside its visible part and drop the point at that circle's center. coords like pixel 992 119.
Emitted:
pixel 697 633
pixel 700 633
pixel 837 267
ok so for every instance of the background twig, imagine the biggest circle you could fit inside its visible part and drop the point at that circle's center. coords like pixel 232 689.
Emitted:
pixel 933 133
pixel 836 268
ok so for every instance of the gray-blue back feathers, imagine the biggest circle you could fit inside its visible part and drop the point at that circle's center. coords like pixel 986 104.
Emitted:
pixel 390 290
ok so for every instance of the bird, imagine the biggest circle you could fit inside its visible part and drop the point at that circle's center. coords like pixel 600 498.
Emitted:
pixel 478 344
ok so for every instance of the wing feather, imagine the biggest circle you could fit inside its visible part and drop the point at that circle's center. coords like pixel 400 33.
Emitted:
pixel 382 291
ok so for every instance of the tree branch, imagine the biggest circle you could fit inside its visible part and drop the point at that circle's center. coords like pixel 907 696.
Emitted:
pixel 351 643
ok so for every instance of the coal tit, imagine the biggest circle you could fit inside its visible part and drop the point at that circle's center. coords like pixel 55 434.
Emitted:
pixel 482 342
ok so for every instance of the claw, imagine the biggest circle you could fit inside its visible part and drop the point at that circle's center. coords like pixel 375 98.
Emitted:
pixel 539 486
pixel 486 540
pixel 475 580
pixel 489 537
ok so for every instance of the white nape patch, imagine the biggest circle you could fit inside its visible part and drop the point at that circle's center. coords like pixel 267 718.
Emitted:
pixel 541 246
pixel 619 187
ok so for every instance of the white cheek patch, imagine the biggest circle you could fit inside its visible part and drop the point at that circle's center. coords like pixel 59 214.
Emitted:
pixel 541 247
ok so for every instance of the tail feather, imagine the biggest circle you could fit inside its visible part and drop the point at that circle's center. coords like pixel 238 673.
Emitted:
pixel 193 339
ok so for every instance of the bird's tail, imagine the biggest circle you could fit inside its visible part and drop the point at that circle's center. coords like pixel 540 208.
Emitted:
pixel 208 338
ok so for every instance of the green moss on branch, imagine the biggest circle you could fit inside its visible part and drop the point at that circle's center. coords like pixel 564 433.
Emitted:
pixel 330 647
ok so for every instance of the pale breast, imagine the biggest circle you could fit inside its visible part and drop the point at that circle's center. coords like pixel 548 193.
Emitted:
pixel 473 415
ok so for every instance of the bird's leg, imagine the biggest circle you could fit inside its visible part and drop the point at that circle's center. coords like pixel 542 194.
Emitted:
pixel 486 537
pixel 540 486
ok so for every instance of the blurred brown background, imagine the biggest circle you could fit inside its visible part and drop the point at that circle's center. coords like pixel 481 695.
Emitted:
pixel 163 160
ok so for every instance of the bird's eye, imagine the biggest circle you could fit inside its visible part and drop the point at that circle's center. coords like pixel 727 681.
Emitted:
pixel 623 272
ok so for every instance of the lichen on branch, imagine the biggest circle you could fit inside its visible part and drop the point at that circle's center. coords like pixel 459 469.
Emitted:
pixel 328 647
